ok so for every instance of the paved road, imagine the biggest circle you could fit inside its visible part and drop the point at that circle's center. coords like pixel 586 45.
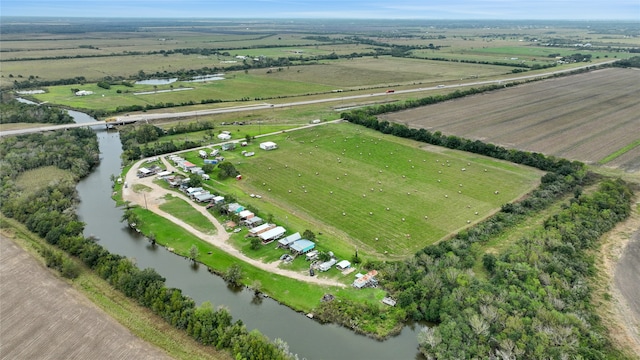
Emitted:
pixel 254 107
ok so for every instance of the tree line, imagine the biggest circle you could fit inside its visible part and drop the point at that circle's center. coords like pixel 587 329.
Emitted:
pixel 14 111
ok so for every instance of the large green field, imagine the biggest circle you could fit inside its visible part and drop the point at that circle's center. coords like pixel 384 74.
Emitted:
pixel 386 196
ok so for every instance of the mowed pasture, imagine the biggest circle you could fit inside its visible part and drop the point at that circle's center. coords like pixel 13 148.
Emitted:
pixel 583 117
pixel 384 195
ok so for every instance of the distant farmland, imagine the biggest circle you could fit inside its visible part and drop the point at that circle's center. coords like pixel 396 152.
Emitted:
pixel 585 117
pixel 384 194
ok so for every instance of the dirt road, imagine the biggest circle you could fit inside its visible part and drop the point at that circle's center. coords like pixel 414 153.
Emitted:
pixel 155 196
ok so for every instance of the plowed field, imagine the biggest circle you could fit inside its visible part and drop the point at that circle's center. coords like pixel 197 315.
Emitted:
pixel 582 117
pixel 44 318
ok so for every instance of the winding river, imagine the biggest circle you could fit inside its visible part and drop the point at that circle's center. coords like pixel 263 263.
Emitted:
pixel 307 338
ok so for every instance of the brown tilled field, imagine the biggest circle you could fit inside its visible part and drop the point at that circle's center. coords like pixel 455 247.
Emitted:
pixel 41 317
pixel 582 117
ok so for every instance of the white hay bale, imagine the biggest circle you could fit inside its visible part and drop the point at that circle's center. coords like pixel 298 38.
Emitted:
pixel 402 219
pixel 371 189
pixel 476 213
pixel 337 178
pixel 459 192
pixel 468 221
pixel 269 167
pixel 305 191
pixel 289 190
pixel 446 196
pixel 343 214
pixel 387 209
pixel 380 190
pixel 379 182
pixel 403 176
pixel 485 170
pixel 438 180
pixel 439 171
pixel 408 193
pixel 299 175
pixel 269 189
pixel 468 164
pixel 426 217
pixel 464 169
pixel 331 192
pixel 316 173
pixel 497 192
pixel 364 195
pixel 263 184
pixel 412 166
pixel 370 213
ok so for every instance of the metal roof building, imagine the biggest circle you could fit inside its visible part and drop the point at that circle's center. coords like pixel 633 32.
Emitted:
pixel 302 246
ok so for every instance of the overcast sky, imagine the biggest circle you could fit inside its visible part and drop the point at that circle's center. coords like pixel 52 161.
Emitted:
pixel 345 9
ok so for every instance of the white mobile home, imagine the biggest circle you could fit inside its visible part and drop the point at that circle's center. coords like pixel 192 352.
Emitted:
pixel 273 234
pixel 268 145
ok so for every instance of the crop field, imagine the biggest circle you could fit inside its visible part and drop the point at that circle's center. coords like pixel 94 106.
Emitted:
pixel 44 318
pixel 584 117
pixel 387 196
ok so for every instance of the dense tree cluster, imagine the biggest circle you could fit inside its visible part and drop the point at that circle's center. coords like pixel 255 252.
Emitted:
pixel 14 111
pixel 143 141
pixel 50 213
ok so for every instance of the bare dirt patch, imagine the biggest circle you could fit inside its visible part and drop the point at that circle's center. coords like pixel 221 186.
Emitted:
pixel 582 117
pixel 44 318
pixel 619 262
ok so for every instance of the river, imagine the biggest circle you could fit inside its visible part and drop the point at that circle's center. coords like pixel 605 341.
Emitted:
pixel 307 338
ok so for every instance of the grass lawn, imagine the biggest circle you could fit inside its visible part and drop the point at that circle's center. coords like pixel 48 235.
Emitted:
pixel 183 210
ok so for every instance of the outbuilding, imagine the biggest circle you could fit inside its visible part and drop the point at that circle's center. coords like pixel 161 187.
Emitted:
pixel 268 145
pixel 343 265
pixel 224 136
pixel 245 214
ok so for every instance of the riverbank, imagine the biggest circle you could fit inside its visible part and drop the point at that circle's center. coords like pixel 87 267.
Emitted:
pixel 61 318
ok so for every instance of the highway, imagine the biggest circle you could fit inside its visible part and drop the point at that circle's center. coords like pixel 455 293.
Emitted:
pixel 195 113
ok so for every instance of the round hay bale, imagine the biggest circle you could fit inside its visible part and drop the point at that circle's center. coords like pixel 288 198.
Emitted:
pixel 446 196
